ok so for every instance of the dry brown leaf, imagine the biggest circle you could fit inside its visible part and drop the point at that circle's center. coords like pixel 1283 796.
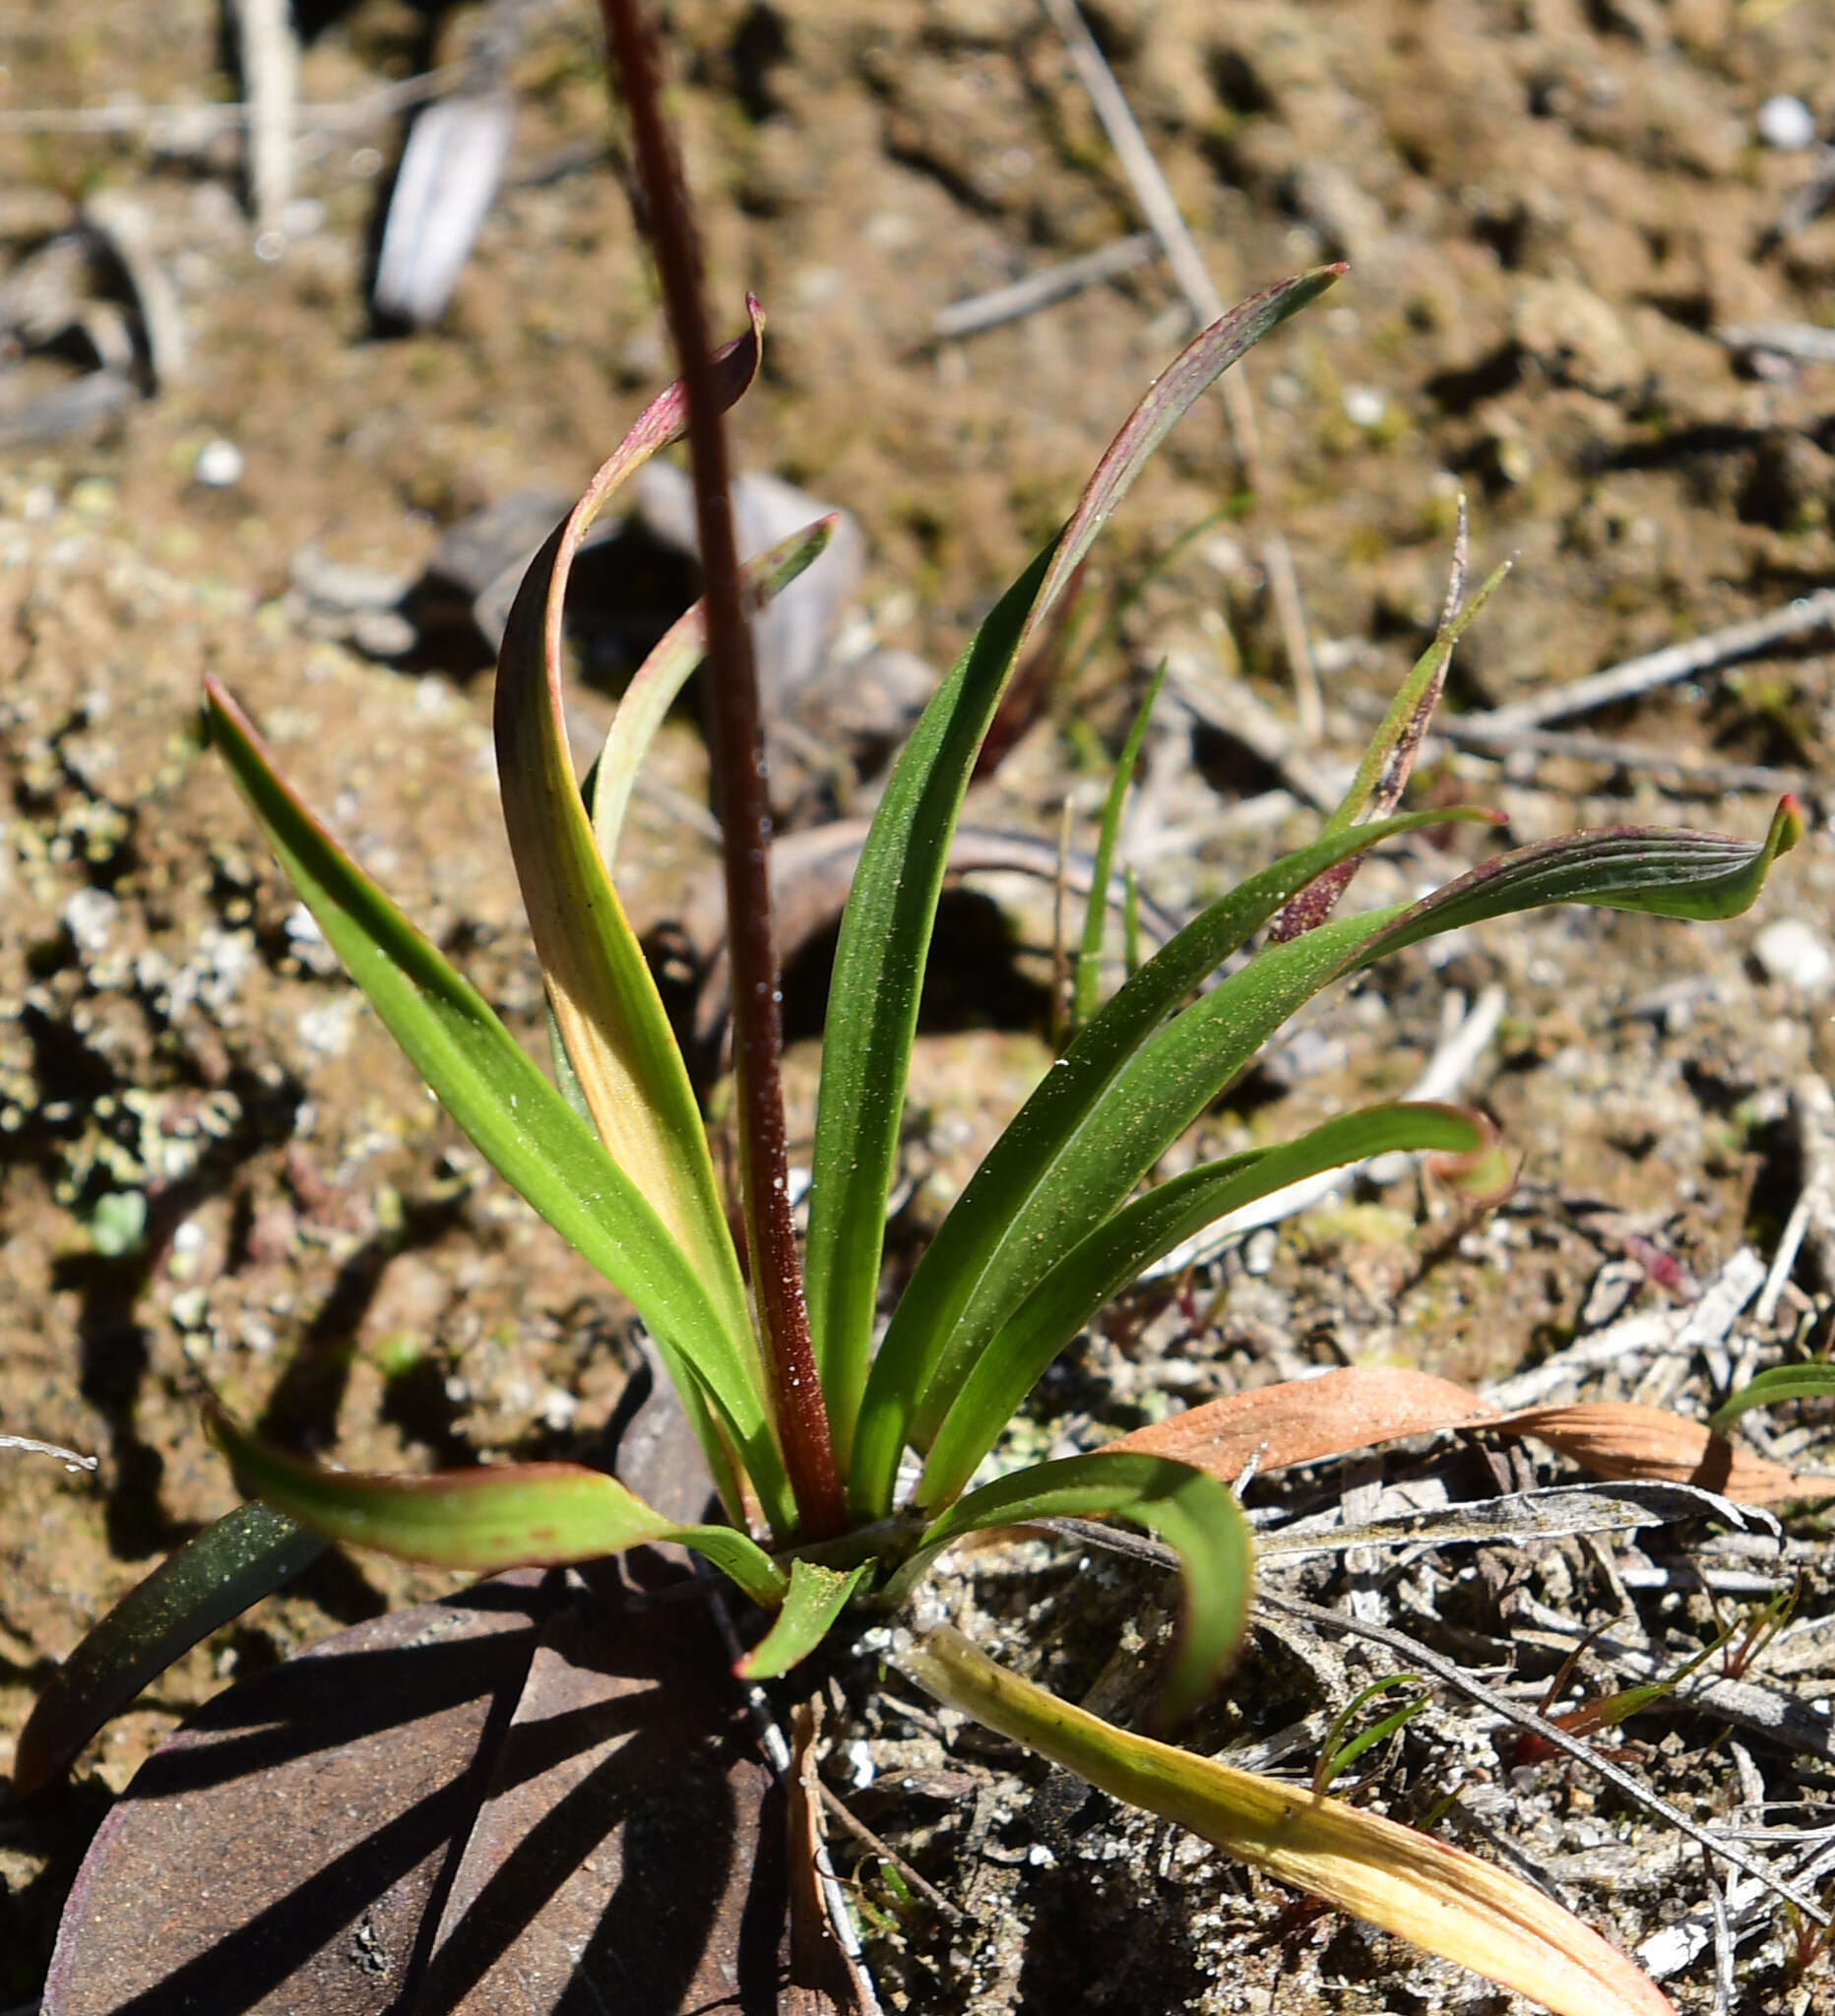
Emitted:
pixel 1620 1439
pixel 1302 1420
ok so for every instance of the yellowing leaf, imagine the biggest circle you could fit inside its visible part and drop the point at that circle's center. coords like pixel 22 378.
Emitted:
pixel 1436 1896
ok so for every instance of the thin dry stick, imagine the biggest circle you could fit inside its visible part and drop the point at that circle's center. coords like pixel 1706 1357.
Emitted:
pixel 268 56
pixel 28 1446
pixel 1664 667
pixel 1812 1118
pixel 371 108
pixel 1805 343
pixel 1040 290
pixel 736 736
pixel 1162 212
pixel 1484 732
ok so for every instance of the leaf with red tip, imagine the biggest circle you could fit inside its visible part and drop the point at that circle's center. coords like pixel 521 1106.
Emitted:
pixel 498 1516
pixel 601 990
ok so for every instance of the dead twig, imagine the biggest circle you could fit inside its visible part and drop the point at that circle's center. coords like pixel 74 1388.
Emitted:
pixel 1486 733
pixel 1161 210
pixel 347 115
pixel 1799 618
pixel 1813 1216
pixel 1040 290
pixel 268 55
pixel 1803 342
pixel 28 1446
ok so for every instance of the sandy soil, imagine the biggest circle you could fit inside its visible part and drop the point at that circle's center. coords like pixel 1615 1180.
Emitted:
pixel 1548 210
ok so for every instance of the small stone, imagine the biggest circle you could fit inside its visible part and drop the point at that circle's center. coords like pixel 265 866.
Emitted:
pixel 1791 951
pixel 218 466
pixel 1364 406
pixel 1576 338
pixel 1785 123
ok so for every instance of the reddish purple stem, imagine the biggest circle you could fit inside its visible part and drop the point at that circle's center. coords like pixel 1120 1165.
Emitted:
pixel 737 739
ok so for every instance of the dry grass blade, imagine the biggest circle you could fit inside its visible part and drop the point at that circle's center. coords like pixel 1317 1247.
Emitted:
pixel 1305 1421
pixel 1424 1890
pixel 1620 1439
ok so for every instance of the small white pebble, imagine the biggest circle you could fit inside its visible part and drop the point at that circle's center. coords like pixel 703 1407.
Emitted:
pixel 218 466
pixel 1789 950
pixel 1785 123
pixel 1364 406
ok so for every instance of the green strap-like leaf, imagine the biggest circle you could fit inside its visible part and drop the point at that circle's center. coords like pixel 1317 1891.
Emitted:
pixel 599 987
pixel 519 1122
pixel 1194 1514
pixel 667 670
pixel 215 1576
pixel 501 1516
pixel 1096 909
pixel 817 1596
pixel 1666 873
pixel 886 928
pixel 1782 1382
pixel 1105 1262
pixel 1020 1163
pixel 1148 1098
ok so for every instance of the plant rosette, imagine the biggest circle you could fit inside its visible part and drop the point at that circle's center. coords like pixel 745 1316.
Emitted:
pixel 805 1424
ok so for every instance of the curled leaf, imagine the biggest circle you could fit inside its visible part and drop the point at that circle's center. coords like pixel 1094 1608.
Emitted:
pixel 1197 1517
pixel 1621 1439
pixel 1435 1896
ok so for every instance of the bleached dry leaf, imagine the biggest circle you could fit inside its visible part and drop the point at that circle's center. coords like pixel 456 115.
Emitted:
pixel 1620 1439
pixel 1304 1420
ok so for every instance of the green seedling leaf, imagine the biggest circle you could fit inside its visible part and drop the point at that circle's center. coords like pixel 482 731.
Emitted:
pixel 1782 1382
pixel 1197 1516
pixel 661 676
pixel 519 1122
pixel 599 987
pixel 1096 909
pixel 886 927
pixel 1155 1094
pixel 1103 1264
pixel 509 1515
pixel 1441 1899
pixel 985 1248
pixel 215 1576
pixel 817 1596
pixel 1335 1758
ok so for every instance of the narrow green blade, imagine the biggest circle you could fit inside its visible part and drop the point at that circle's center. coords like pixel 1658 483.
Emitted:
pixel 1105 1262
pixel 1782 1382
pixel 519 1122
pixel 657 683
pixel 1096 909
pixel 1066 1101
pixel 215 1576
pixel 886 928
pixel 817 1596
pixel 1194 1514
pixel 501 1516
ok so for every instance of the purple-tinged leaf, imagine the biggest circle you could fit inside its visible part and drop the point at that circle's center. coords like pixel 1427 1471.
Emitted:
pixel 599 987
